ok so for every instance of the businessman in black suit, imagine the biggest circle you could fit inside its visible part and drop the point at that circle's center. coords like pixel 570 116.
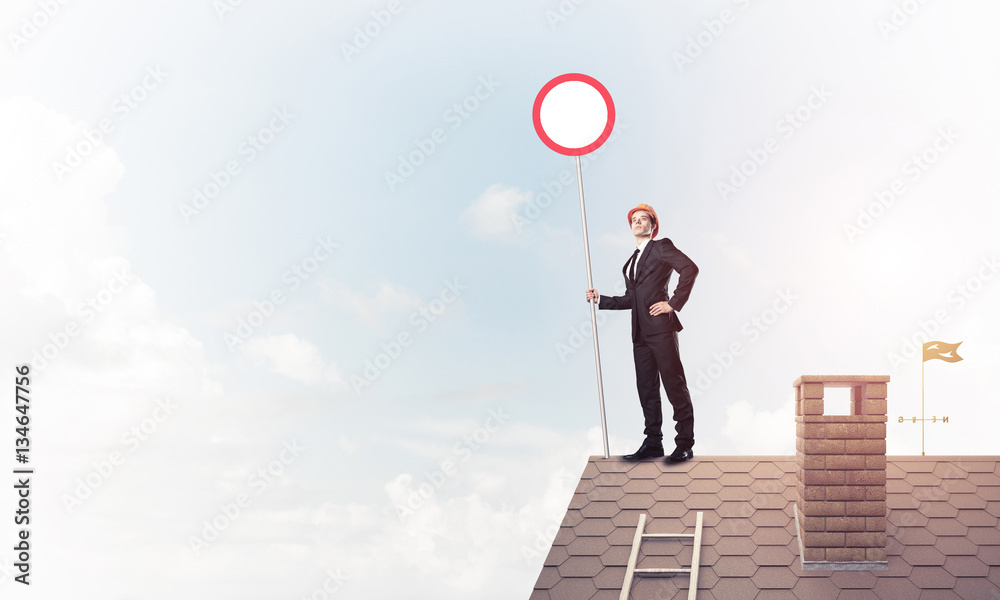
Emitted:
pixel 654 332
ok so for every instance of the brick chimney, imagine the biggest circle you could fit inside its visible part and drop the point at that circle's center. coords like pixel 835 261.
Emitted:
pixel 840 513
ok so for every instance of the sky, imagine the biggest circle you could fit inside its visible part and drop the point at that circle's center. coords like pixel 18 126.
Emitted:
pixel 302 292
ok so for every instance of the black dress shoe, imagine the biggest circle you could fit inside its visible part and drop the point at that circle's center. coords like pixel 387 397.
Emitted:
pixel 680 455
pixel 646 450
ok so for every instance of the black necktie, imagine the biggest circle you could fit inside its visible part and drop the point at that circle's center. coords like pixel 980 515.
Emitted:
pixel 631 269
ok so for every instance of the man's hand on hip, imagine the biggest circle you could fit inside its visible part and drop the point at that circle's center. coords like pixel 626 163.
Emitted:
pixel 660 308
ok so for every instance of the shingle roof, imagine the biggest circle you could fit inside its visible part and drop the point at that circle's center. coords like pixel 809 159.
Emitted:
pixel 943 535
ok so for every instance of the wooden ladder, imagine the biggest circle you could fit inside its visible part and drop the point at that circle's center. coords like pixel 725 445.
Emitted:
pixel 637 541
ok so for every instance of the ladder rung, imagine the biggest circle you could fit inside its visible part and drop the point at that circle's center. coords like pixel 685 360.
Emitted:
pixel 668 535
pixel 661 570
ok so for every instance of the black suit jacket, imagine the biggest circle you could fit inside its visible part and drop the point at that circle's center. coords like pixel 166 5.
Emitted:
pixel 656 264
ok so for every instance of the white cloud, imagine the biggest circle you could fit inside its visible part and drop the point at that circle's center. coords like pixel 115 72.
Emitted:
pixel 85 319
pixel 761 431
pixel 491 215
pixel 372 309
pixel 497 513
pixel 288 355
pixel 105 359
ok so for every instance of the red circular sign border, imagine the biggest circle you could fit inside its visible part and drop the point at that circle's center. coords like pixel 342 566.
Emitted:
pixel 537 109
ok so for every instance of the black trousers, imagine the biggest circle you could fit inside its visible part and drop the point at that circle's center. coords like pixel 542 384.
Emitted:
pixel 657 358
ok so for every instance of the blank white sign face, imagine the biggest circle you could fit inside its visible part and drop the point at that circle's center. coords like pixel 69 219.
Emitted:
pixel 573 114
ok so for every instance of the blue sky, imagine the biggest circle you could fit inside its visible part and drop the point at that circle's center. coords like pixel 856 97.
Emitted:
pixel 831 170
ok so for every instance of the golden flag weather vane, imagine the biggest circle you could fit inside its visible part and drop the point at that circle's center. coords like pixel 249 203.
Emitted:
pixel 941 351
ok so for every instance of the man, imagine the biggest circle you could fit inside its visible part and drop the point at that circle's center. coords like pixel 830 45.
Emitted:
pixel 654 332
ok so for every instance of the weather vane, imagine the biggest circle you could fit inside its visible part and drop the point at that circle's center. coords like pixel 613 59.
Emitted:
pixel 943 351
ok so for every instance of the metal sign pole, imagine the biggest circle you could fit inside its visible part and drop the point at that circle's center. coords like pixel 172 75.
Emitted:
pixel 567 111
pixel 593 311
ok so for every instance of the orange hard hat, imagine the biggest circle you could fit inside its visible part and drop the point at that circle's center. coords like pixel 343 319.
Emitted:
pixel 649 209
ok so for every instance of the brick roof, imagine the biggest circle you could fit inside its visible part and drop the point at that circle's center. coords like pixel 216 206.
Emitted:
pixel 943 534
